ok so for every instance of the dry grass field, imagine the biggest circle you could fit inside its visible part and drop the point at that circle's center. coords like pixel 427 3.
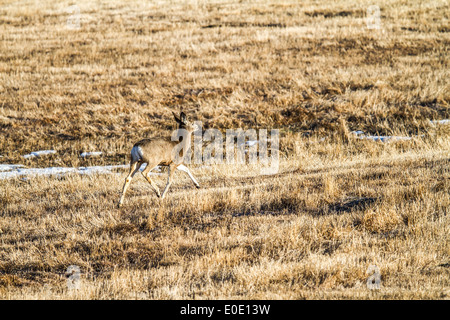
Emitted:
pixel 103 79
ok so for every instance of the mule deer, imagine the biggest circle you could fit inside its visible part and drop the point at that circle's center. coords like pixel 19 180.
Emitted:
pixel 161 152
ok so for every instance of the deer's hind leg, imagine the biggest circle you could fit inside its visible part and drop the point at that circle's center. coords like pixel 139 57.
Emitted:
pixel 172 168
pixel 134 167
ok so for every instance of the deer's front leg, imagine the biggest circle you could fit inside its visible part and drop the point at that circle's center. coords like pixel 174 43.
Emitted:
pixel 186 169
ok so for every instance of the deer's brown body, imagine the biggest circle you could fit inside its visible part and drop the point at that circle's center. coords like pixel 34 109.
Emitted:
pixel 160 152
pixel 154 150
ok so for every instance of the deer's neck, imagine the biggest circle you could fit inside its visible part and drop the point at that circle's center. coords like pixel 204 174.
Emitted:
pixel 185 138
pixel 182 147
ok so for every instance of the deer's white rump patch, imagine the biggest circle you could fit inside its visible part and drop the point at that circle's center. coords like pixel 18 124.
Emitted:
pixel 136 153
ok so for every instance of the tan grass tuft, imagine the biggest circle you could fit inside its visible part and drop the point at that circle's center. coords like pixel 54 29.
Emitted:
pixel 381 220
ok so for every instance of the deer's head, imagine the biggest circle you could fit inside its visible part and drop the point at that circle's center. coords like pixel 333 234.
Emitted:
pixel 184 123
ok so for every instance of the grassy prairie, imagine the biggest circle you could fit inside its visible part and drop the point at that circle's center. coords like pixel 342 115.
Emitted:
pixel 104 79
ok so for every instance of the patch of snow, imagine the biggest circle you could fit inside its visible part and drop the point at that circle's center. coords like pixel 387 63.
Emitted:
pixel 91 154
pixel 8 171
pixel 9 167
pixel 38 153
pixel 360 134
pixel 386 138
pixel 18 172
pixel 100 169
pixel 443 121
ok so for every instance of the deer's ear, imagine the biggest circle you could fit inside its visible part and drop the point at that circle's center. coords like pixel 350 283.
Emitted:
pixel 183 117
pixel 176 119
